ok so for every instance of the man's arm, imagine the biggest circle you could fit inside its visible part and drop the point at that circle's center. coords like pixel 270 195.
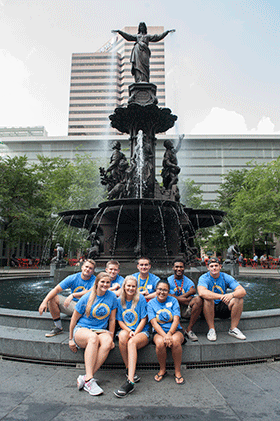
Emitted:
pixel 206 294
pixel 74 295
pixel 186 297
pixel 44 304
pixel 203 292
pixel 238 292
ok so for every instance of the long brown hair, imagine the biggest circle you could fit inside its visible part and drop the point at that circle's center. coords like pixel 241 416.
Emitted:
pixel 136 296
pixel 93 293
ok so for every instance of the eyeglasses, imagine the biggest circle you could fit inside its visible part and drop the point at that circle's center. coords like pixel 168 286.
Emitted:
pixel 162 290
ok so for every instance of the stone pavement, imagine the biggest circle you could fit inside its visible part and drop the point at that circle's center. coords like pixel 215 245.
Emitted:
pixel 32 392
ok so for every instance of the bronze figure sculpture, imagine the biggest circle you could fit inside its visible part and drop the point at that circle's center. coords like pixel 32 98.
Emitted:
pixel 140 54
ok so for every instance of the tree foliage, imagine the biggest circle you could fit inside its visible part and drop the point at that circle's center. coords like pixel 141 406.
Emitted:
pixel 251 198
pixel 191 194
pixel 31 194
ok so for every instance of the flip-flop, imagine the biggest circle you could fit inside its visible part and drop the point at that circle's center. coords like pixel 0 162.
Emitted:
pixel 179 378
pixel 160 377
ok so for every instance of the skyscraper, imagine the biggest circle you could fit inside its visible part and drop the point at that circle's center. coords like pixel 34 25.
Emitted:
pixel 99 83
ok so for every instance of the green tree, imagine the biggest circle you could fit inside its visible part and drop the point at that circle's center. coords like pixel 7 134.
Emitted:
pixel 191 194
pixel 256 207
pixel 30 195
pixel 69 185
pixel 22 209
pixel 251 198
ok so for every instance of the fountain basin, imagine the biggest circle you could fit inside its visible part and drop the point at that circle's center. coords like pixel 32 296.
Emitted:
pixel 129 228
pixel 27 294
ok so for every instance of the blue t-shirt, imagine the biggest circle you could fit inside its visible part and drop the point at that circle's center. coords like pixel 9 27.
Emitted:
pixel 76 283
pixel 132 318
pixel 119 280
pixel 219 285
pixel 164 312
pixel 149 283
pixel 187 284
pixel 100 310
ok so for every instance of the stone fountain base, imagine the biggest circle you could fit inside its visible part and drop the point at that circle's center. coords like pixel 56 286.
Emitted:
pixel 22 336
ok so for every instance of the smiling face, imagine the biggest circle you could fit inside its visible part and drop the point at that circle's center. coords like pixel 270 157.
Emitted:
pixel 112 271
pixel 178 269
pixel 87 270
pixel 162 291
pixel 214 269
pixel 130 288
pixel 144 267
pixel 103 285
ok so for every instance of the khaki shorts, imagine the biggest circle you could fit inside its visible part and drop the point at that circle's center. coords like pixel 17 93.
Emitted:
pixel 185 311
pixel 66 310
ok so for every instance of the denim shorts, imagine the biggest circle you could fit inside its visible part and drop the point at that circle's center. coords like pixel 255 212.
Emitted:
pixel 147 333
pixel 93 330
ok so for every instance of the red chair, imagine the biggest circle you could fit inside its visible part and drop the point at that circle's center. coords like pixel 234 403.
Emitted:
pixel 36 263
pixel 72 262
pixel 254 263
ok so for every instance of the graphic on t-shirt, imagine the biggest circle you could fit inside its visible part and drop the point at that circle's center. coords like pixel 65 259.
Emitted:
pixel 79 289
pixel 178 291
pixel 217 289
pixel 164 316
pixel 130 317
pixel 101 311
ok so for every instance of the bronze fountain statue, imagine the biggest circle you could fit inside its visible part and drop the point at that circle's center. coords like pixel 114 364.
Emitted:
pixel 142 217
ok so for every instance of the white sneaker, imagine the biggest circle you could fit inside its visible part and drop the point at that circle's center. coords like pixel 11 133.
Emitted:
pixel 236 333
pixel 191 335
pixel 92 388
pixel 81 382
pixel 211 335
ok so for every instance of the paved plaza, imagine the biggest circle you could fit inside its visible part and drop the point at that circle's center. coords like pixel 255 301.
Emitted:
pixel 36 392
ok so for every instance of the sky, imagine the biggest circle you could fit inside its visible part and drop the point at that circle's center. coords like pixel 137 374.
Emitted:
pixel 222 63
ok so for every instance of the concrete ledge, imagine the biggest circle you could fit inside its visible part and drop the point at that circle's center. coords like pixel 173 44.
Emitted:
pixel 32 344
pixel 32 320
pixel 22 335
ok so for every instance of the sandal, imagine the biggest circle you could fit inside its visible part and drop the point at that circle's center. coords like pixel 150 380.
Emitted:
pixel 159 377
pixel 177 380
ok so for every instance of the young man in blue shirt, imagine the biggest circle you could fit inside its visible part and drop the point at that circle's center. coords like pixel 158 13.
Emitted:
pixel 146 281
pixel 182 288
pixel 113 270
pixel 79 283
pixel 212 288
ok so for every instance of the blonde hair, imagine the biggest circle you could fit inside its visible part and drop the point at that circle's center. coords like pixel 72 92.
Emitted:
pixel 93 293
pixel 136 296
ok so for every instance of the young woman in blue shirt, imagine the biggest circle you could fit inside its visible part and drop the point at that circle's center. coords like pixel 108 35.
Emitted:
pixel 92 327
pixel 134 334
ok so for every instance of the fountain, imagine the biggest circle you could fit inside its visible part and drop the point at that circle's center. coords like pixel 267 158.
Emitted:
pixel 141 217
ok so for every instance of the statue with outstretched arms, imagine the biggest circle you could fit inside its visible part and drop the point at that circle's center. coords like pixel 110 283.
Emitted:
pixel 140 54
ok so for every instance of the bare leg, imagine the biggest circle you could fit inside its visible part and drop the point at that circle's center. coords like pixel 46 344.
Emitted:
pixel 88 340
pixel 105 345
pixel 54 307
pixel 236 308
pixel 196 305
pixel 123 338
pixel 136 342
pixel 176 350
pixel 209 312
pixel 161 354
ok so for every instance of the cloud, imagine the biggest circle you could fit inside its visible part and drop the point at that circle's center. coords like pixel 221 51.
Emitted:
pixel 222 121
pixel 17 105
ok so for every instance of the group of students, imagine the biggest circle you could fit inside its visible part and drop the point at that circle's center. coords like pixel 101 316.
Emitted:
pixel 139 302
